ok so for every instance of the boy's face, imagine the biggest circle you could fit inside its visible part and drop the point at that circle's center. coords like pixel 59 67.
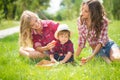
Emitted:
pixel 63 38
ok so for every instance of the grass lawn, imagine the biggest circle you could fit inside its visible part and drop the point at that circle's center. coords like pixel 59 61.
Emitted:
pixel 4 24
pixel 15 67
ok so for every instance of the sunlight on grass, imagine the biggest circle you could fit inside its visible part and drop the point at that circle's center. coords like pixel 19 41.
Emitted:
pixel 15 67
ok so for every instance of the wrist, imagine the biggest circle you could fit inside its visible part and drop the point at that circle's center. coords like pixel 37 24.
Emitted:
pixel 46 47
pixel 90 57
pixel 77 55
pixel 62 62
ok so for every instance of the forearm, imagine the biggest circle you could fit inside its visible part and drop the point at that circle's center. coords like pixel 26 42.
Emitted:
pixel 67 57
pixel 41 49
pixel 96 50
pixel 51 56
pixel 78 51
pixel 47 47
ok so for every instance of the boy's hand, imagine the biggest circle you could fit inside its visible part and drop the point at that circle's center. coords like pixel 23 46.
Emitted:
pixel 53 61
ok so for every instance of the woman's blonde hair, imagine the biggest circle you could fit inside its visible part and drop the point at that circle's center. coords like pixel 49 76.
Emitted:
pixel 25 34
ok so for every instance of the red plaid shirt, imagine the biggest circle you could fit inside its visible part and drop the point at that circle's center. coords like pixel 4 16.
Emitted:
pixel 92 40
pixel 49 28
pixel 63 49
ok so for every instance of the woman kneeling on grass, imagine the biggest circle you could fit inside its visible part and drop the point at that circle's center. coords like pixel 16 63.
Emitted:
pixel 36 35
pixel 93 27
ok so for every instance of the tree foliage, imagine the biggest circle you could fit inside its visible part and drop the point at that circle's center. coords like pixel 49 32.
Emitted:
pixel 112 8
pixel 69 9
pixel 108 5
pixel 116 9
pixel 13 8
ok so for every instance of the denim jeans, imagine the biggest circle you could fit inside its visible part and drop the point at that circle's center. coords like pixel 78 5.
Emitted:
pixel 105 51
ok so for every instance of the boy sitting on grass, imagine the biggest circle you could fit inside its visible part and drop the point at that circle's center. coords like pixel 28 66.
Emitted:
pixel 63 50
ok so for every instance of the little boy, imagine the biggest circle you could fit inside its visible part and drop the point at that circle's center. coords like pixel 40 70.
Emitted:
pixel 63 50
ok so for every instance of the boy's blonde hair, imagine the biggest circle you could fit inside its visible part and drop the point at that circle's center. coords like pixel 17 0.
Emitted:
pixel 25 34
pixel 64 32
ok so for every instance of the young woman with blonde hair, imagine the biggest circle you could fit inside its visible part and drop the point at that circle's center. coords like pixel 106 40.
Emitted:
pixel 35 37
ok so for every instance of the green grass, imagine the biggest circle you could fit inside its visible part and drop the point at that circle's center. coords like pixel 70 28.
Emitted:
pixel 15 67
pixel 4 24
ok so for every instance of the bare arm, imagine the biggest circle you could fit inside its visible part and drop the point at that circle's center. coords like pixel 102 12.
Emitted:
pixel 52 58
pixel 41 49
pixel 47 47
pixel 96 50
pixel 79 49
pixel 67 57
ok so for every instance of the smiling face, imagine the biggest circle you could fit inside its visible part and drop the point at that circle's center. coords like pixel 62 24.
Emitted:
pixel 35 23
pixel 63 36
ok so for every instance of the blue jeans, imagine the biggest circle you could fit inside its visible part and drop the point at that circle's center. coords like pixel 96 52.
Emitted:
pixel 105 51
pixel 59 58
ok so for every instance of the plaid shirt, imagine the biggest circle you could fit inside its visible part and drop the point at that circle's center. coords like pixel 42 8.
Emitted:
pixel 63 49
pixel 49 28
pixel 92 40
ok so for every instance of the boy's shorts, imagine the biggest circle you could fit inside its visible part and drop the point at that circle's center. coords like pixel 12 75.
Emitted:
pixel 105 51
pixel 59 58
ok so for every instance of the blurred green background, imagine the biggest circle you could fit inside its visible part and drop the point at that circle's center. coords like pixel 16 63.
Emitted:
pixel 69 9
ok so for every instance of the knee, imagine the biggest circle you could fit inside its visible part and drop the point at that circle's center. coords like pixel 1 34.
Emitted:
pixel 20 52
pixel 23 52
pixel 115 57
pixel 112 58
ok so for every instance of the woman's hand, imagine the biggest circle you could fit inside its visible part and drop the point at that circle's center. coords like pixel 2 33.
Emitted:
pixel 85 60
pixel 51 44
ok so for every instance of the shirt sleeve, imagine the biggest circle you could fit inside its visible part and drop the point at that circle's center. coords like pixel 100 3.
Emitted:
pixel 104 35
pixel 82 34
pixel 70 47
pixel 36 42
